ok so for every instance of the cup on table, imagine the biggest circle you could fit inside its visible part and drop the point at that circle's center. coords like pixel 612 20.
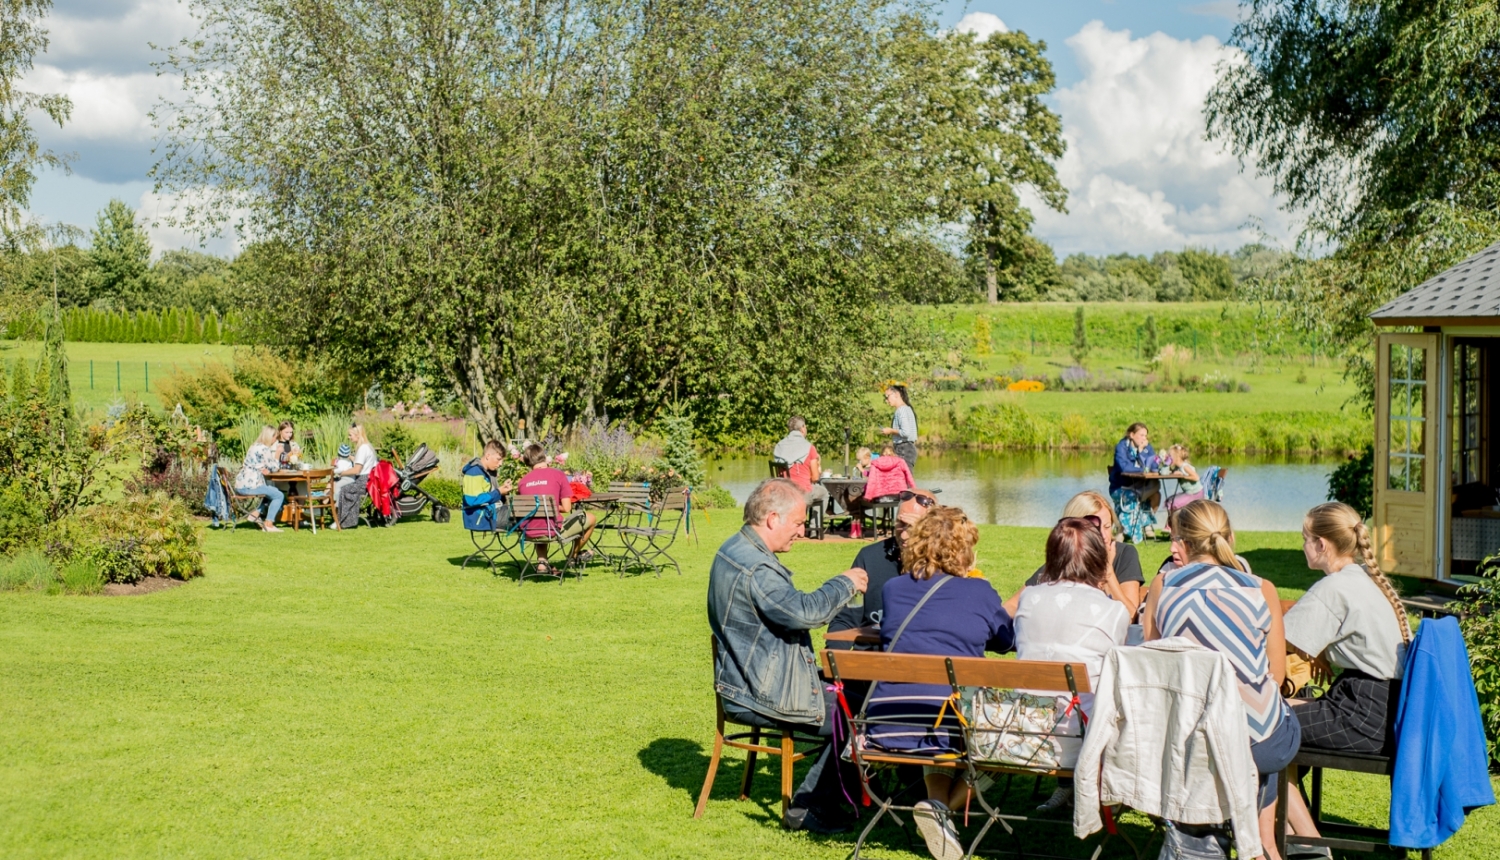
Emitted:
pixel 827 473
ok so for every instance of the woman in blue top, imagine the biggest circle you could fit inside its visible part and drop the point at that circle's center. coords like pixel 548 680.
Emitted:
pixel 940 605
pixel 903 425
pixel 1134 454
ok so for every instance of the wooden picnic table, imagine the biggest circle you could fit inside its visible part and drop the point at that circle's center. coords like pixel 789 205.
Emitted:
pixel 857 635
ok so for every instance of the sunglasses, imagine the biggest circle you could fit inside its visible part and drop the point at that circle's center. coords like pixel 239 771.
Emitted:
pixel 1092 520
pixel 924 501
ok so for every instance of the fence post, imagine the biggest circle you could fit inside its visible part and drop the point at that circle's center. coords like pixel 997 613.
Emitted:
pixel 91 374
pixel 148 376
pixel 117 376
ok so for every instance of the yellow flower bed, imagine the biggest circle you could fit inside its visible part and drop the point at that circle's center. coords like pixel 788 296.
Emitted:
pixel 1026 385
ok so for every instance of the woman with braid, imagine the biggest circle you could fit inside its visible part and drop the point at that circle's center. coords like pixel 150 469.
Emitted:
pixel 1216 603
pixel 1353 619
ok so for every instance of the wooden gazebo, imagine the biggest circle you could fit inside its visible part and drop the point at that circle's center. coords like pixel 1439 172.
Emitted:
pixel 1436 460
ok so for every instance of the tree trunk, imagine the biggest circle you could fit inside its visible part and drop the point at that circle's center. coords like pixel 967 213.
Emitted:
pixel 991 282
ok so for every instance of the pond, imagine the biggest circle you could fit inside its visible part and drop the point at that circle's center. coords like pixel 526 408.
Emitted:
pixel 1029 488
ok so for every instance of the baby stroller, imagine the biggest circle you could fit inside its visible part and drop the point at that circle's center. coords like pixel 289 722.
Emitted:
pixel 412 498
pixel 405 496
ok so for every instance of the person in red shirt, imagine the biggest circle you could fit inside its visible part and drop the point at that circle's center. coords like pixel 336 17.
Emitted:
pixel 544 480
pixel 804 464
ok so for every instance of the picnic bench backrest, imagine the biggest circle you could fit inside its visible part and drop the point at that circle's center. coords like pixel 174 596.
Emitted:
pixel 533 508
pixel 632 495
pixel 967 671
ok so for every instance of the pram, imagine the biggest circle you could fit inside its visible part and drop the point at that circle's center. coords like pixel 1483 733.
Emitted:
pixel 407 496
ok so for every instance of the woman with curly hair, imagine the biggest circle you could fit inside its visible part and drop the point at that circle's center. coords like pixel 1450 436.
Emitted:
pixel 939 605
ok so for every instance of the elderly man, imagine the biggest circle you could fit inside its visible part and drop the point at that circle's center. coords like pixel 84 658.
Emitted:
pixel 767 674
pixel 804 465
pixel 882 561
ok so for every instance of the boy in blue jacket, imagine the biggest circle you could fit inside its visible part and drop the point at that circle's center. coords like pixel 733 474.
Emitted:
pixel 481 493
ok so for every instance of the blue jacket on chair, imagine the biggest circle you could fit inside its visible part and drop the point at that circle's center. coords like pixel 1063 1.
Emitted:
pixel 1442 764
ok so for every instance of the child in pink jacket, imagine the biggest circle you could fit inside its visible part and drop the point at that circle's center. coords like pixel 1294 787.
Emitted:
pixel 888 475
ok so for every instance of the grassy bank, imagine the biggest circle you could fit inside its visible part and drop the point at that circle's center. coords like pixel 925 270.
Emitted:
pixel 103 373
pixel 359 695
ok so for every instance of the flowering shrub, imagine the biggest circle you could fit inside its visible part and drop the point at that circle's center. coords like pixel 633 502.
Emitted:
pixel 1026 385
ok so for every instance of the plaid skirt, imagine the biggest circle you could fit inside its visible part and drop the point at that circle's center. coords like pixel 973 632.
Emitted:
pixel 1357 714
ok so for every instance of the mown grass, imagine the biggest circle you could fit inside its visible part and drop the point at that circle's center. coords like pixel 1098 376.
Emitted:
pixel 359 695
pixel 103 373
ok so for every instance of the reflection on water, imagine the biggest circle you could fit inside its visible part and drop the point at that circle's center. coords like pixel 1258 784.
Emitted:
pixel 1029 488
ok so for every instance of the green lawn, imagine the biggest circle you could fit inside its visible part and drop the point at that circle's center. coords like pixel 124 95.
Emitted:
pixel 102 373
pixel 359 695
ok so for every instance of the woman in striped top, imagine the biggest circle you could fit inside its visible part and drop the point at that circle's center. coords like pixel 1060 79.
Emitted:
pixel 1214 602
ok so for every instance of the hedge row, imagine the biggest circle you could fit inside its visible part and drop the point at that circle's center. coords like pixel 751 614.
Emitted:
pixel 168 325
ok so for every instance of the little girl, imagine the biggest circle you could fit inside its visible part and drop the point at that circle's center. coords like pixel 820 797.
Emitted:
pixel 862 459
pixel 1189 488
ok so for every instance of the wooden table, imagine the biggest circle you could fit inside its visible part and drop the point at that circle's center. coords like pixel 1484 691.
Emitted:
pixel 857 635
pixel 291 512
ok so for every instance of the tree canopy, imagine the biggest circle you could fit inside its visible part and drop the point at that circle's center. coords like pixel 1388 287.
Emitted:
pixel 572 210
pixel 22 37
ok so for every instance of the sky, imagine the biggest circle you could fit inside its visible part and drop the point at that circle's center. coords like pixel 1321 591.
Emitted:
pixel 1131 74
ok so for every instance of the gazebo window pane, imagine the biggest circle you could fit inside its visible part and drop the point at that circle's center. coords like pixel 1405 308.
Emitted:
pixel 1414 474
pixel 1398 437
pixel 1398 472
pixel 1418 392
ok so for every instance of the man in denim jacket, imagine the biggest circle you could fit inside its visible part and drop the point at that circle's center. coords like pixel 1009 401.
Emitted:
pixel 767 673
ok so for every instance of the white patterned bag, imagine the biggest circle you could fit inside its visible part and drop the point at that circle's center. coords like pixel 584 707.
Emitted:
pixel 1021 729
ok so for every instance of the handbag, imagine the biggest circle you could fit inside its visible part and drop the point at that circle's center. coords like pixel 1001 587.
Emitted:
pixel 1018 728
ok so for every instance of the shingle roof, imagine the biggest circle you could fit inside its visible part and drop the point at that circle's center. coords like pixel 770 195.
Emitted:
pixel 1469 291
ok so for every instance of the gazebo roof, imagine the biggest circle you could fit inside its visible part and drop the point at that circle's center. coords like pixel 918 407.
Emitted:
pixel 1469 292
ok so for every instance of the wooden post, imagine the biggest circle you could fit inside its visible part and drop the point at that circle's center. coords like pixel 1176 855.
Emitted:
pixel 846 452
pixel 117 376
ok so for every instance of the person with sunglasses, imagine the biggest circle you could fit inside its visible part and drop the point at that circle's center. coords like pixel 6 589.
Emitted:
pixel 882 561
pixel 1126 582
pixel 1070 616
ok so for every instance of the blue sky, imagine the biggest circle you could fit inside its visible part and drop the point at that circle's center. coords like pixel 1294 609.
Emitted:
pixel 1131 79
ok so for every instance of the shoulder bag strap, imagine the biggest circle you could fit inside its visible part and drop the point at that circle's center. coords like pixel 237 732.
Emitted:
pixel 915 609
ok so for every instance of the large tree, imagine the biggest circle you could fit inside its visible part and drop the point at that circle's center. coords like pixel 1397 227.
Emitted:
pixel 22 38
pixel 978 125
pixel 568 209
pixel 1378 120
pixel 120 258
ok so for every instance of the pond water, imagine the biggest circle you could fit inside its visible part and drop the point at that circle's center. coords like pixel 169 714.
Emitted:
pixel 1029 488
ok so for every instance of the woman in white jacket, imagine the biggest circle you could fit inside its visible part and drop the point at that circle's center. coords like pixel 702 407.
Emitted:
pixel 1214 603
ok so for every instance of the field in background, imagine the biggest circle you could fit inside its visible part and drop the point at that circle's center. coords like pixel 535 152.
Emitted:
pixel 104 373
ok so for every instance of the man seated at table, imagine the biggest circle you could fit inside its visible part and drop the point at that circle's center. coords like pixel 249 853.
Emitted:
pixel 767 673
pixel 544 480
pixel 482 494
pixel 883 562
pixel 804 464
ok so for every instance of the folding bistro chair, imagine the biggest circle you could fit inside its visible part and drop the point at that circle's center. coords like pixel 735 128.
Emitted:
pixel 493 545
pixel 632 510
pixel 650 542
pixel 1213 483
pixel 788 737
pixel 538 520
pixel 244 504
pixel 319 497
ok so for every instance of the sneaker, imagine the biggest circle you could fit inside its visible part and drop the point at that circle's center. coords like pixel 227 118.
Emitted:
pixel 1060 799
pixel 935 823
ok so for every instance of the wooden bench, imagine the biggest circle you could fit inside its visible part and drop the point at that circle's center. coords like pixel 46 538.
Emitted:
pixel 958 674
pixel 1347 837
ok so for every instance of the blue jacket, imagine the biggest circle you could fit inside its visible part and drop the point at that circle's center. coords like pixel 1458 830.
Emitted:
pixel 215 499
pixel 480 498
pixel 766 660
pixel 1128 458
pixel 1442 765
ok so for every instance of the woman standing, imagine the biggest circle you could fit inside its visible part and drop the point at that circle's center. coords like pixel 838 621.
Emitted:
pixel 903 425
pixel 352 494
pixel 261 461
pixel 1212 601
pixel 1353 619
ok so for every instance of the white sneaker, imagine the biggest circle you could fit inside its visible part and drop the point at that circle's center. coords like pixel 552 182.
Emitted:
pixel 935 823
pixel 1060 798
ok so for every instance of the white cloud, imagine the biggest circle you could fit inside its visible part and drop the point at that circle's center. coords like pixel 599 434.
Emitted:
pixel 1140 174
pixel 157 213
pixel 981 24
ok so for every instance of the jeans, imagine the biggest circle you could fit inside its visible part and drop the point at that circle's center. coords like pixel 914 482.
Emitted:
pixel 908 452
pixel 820 789
pixel 274 498
pixel 349 500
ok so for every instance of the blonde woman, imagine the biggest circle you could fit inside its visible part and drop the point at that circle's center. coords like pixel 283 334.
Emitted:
pixel 1211 600
pixel 938 606
pixel 1125 579
pixel 1353 619
pixel 261 461
pixel 353 493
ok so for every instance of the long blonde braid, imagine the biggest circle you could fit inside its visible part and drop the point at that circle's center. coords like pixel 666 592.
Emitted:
pixel 1342 527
